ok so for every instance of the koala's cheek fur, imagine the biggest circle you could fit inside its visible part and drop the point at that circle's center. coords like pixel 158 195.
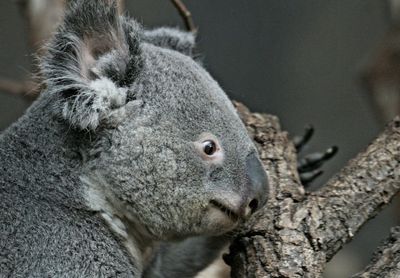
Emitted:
pixel 159 180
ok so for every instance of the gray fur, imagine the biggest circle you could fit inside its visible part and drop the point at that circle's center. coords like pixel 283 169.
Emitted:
pixel 103 166
pixel 171 38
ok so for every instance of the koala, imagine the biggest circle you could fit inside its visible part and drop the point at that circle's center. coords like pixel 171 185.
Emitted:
pixel 131 163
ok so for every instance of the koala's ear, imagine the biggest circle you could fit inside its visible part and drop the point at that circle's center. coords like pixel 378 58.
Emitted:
pixel 90 62
pixel 172 38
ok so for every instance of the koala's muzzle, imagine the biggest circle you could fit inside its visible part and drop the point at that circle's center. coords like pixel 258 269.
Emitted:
pixel 257 183
pixel 254 191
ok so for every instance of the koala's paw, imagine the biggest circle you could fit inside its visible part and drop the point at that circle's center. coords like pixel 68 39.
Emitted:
pixel 309 166
pixel 103 102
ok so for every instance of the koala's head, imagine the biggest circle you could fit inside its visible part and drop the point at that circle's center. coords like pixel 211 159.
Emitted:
pixel 169 150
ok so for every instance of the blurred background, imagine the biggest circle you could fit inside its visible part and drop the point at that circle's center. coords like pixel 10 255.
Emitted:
pixel 323 63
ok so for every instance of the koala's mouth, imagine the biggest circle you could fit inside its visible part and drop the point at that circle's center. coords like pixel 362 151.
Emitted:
pixel 229 212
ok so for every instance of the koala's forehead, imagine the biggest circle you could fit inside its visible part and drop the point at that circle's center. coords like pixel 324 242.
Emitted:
pixel 185 94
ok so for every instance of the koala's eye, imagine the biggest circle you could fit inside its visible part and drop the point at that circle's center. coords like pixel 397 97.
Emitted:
pixel 209 147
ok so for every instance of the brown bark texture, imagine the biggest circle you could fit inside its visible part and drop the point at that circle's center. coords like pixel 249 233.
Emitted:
pixel 385 262
pixel 298 232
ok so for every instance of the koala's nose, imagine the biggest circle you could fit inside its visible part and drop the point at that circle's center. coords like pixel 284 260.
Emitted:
pixel 257 182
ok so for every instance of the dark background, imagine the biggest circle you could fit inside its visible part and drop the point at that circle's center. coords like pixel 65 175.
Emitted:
pixel 299 60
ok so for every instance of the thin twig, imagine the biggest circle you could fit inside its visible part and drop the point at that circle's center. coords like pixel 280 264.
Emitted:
pixel 26 89
pixel 186 15
pixel 121 6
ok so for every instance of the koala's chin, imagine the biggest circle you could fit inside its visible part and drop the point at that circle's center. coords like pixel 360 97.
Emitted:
pixel 220 222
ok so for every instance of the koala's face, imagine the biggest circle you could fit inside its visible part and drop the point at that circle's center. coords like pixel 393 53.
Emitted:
pixel 171 151
pixel 183 161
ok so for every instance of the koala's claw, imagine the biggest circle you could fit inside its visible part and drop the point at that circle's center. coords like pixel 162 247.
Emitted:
pixel 309 166
pixel 301 140
pixel 315 160
pixel 308 177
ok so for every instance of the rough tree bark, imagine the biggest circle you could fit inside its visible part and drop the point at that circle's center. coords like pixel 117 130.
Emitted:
pixel 385 262
pixel 297 233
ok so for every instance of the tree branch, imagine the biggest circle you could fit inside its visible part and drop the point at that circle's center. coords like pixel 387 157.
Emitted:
pixel 297 233
pixel 386 260
pixel 186 15
pixel 26 89
pixel 357 193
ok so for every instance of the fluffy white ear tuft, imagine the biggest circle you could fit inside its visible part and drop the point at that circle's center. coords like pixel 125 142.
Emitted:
pixel 101 102
pixel 91 61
